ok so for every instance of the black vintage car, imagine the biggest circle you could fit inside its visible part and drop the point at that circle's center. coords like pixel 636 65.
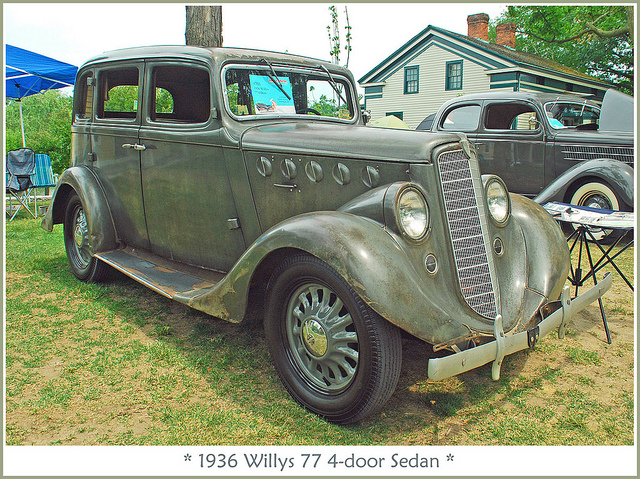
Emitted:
pixel 550 147
pixel 244 184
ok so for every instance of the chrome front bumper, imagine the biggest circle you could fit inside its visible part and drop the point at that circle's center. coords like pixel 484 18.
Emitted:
pixel 441 368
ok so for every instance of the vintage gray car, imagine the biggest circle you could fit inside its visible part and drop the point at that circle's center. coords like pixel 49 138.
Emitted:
pixel 244 184
pixel 551 147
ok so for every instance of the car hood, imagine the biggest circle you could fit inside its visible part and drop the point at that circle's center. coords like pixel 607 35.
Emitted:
pixel 617 112
pixel 338 140
pixel 618 138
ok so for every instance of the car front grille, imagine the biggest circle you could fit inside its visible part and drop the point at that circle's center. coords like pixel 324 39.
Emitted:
pixel 461 187
pixel 581 153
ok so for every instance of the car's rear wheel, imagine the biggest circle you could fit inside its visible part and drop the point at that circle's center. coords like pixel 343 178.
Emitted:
pixel 333 353
pixel 83 265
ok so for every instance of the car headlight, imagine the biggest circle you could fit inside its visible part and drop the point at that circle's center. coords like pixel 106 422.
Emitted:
pixel 412 214
pixel 498 200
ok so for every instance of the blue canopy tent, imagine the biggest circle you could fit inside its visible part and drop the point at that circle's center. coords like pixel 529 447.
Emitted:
pixel 29 73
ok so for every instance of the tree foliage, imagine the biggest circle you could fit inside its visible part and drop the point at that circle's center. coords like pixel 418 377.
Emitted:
pixel 593 39
pixel 47 125
pixel 328 107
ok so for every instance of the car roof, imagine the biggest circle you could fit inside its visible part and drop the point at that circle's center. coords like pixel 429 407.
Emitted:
pixel 526 95
pixel 219 54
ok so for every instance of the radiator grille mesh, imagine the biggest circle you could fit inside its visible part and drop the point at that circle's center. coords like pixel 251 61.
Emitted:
pixel 466 231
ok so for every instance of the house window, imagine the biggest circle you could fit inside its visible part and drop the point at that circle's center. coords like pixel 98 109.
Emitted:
pixel 397 114
pixel 454 75
pixel 411 80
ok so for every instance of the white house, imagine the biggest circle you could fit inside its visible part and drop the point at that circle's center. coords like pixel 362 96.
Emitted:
pixel 437 65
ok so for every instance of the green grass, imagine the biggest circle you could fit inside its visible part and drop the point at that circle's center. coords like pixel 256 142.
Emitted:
pixel 582 356
pixel 116 364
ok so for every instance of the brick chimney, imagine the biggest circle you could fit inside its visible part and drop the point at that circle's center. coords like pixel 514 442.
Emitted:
pixel 506 35
pixel 478 26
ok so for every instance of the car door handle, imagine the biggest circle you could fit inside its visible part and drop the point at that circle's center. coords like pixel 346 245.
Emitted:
pixel 134 146
pixel 290 187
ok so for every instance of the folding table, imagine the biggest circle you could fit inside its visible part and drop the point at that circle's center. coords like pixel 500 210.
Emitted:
pixel 587 221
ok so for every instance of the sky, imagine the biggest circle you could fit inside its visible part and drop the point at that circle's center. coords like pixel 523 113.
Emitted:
pixel 75 32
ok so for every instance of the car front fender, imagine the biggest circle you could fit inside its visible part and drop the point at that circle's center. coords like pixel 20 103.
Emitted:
pixel 618 175
pixel 547 253
pixel 370 259
pixel 82 181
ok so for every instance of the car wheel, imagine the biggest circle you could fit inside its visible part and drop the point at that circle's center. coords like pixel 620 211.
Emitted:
pixel 76 242
pixel 333 353
pixel 597 195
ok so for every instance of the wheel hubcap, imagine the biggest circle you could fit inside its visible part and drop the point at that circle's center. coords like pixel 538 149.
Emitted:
pixel 321 337
pixel 81 239
pixel 314 337
pixel 597 202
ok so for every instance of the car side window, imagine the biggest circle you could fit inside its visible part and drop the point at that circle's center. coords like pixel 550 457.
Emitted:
pixel 83 105
pixel 118 93
pixel 182 94
pixel 511 116
pixel 525 121
pixel 464 118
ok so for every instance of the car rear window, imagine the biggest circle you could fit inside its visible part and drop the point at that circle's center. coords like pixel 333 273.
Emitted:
pixel 464 118
pixel 119 94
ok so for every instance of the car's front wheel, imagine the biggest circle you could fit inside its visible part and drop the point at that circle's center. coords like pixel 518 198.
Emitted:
pixel 76 242
pixel 333 353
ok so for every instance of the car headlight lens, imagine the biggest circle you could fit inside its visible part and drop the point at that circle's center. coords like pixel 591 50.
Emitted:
pixel 497 200
pixel 412 214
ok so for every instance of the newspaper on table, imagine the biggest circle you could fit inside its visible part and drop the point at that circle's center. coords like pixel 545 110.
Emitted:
pixel 591 216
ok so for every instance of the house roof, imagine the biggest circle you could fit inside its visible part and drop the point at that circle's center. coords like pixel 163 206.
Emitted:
pixel 497 56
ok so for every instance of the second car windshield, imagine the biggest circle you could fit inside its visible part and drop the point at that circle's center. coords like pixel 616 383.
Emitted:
pixel 252 91
pixel 566 114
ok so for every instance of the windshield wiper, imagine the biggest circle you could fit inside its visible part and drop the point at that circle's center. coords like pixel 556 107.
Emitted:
pixel 275 78
pixel 333 83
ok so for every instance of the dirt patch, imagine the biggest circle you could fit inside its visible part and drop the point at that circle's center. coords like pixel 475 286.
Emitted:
pixel 123 365
pixel 582 368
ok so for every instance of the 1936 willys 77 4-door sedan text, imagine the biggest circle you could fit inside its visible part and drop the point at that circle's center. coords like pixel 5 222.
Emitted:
pixel 245 184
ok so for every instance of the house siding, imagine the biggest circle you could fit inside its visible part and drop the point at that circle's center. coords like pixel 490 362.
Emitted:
pixel 432 64
pixel 485 67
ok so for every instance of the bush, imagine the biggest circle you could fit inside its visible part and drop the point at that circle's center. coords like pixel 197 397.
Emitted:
pixel 47 126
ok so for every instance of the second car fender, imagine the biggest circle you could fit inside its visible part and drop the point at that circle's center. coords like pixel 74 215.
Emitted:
pixel 616 173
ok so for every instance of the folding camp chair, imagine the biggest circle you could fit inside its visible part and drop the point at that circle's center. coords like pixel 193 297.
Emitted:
pixel 44 177
pixel 20 170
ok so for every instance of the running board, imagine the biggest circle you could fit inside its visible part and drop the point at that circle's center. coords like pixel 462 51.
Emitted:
pixel 171 279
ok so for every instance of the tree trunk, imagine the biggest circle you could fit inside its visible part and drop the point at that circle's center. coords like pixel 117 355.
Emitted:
pixel 204 25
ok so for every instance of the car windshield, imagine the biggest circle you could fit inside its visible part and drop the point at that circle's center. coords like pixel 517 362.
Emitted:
pixel 564 114
pixel 277 90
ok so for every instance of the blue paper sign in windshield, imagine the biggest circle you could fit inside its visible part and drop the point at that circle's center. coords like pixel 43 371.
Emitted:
pixel 268 98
